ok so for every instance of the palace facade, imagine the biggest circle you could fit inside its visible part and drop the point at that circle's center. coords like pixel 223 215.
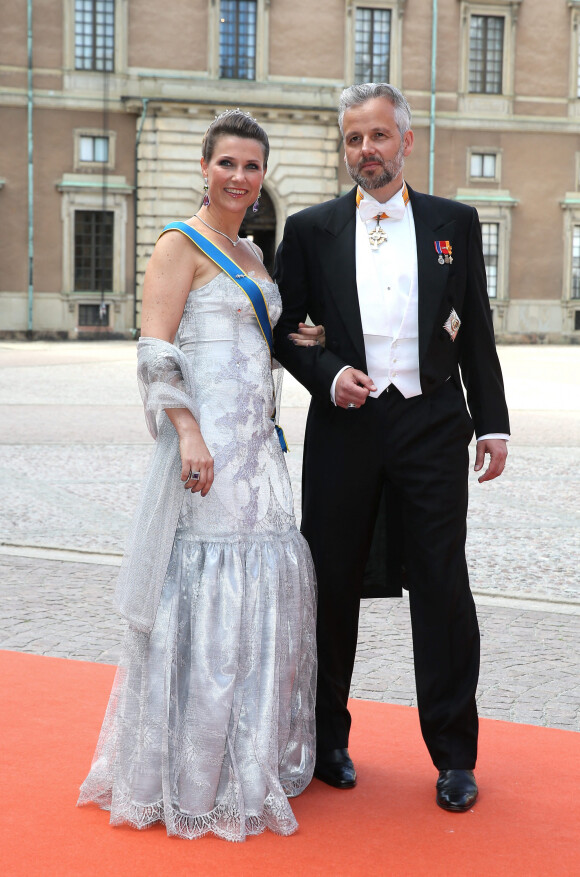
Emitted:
pixel 103 105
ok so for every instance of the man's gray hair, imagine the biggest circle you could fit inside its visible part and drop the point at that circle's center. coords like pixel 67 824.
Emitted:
pixel 355 95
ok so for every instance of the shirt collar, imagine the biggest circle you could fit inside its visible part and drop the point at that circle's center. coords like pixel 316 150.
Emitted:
pixel 400 198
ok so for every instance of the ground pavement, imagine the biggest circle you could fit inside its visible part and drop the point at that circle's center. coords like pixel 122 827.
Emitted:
pixel 73 450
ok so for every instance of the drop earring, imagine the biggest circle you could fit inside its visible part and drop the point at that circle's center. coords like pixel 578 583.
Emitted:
pixel 256 206
pixel 205 193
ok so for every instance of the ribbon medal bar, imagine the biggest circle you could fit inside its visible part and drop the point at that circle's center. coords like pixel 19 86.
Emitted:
pixel 444 250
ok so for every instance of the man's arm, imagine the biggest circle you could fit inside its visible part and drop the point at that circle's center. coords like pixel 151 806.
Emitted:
pixel 480 367
pixel 316 366
pixel 478 359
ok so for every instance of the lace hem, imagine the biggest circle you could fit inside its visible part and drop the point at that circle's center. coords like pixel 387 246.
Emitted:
pixel 226 822
pixel 293 788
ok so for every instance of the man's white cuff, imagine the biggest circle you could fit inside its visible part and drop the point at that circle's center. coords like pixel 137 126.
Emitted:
pixel 333 387
pixel 494 435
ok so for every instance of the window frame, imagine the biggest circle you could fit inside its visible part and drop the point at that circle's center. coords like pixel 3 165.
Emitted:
pixel 483 150
pixel 111 136
pixel 397 9
pixel 238 65
pixel 480 101
pixel 110 256
pixel 486 72
pixel 574 84
pixel 495 223
pixel 94 49
pixel 571 220
pixel 495 206
pixel 575 228
pixel 81 193
pixel 92 327
pixel 262 43
pixel 374 11
pixel 75 80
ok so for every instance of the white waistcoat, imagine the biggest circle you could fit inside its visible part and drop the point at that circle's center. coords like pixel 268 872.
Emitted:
pixel 388 299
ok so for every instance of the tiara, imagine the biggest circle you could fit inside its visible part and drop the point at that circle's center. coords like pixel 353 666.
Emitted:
pixel 229 112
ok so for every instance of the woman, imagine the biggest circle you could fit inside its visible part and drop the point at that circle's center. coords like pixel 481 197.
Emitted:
pixel 210 725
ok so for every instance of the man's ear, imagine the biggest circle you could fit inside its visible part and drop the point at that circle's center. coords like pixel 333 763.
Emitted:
pixel 408 141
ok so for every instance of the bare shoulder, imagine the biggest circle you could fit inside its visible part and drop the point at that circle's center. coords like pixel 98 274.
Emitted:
pixel 175 260
pixel 168 281
pixel 173 246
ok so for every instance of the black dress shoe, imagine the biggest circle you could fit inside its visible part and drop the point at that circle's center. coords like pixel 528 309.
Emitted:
pixel 334 766
pixel 456 790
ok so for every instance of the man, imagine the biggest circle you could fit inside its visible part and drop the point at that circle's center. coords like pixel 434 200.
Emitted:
pixel 398 280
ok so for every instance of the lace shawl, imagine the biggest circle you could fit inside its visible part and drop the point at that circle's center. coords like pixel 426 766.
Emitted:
pixel 165 381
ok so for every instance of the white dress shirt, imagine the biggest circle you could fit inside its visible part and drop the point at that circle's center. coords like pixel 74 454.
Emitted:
pixel 388 295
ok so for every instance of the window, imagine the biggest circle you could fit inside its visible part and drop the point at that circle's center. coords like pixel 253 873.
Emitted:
pixel 94 149
pixel 490 236
pixel 486 36
pixel 237 39
pixel 574 54
pixel 94 35
pixel 93 250
pixel 372 45
pixel 374 40
pixel 95 264
pixel 483 164
pixel 575 286
pixel 488 41
pixel 495 208
pixel 94 315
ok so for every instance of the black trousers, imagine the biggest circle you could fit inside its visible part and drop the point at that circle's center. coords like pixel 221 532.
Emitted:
pixel 419 446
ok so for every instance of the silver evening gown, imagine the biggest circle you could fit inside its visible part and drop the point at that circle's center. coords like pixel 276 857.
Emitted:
pixel 210 724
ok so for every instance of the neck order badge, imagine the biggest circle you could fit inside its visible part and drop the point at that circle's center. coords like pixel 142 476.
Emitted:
pixel 378 235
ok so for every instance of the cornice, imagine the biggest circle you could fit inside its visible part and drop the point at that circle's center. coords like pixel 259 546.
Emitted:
pixel 398 4
pixel 515 4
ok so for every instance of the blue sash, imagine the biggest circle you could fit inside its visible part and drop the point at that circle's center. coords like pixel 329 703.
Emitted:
pixel 246 284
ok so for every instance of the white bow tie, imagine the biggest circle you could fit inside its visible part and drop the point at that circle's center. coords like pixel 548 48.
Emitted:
pixel 369 209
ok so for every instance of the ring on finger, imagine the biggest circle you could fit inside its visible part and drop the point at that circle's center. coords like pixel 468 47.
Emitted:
pixel 193 476
pixel 351 405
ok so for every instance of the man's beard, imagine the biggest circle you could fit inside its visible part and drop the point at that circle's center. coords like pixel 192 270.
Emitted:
pixel 391 169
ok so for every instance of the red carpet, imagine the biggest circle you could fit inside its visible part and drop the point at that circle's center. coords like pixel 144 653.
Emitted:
pixel 527 821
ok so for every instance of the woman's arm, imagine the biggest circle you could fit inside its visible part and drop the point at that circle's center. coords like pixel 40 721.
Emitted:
pixel 168 280
pixel 195 456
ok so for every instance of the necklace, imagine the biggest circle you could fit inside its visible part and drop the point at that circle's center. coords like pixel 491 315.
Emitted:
pixel 217 231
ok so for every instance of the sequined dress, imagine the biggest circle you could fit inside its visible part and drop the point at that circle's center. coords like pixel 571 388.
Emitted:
pixel 210 724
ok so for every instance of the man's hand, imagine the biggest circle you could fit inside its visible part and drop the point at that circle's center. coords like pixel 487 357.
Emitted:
pixel 352 388
pixel 497 450
pixel 308 336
